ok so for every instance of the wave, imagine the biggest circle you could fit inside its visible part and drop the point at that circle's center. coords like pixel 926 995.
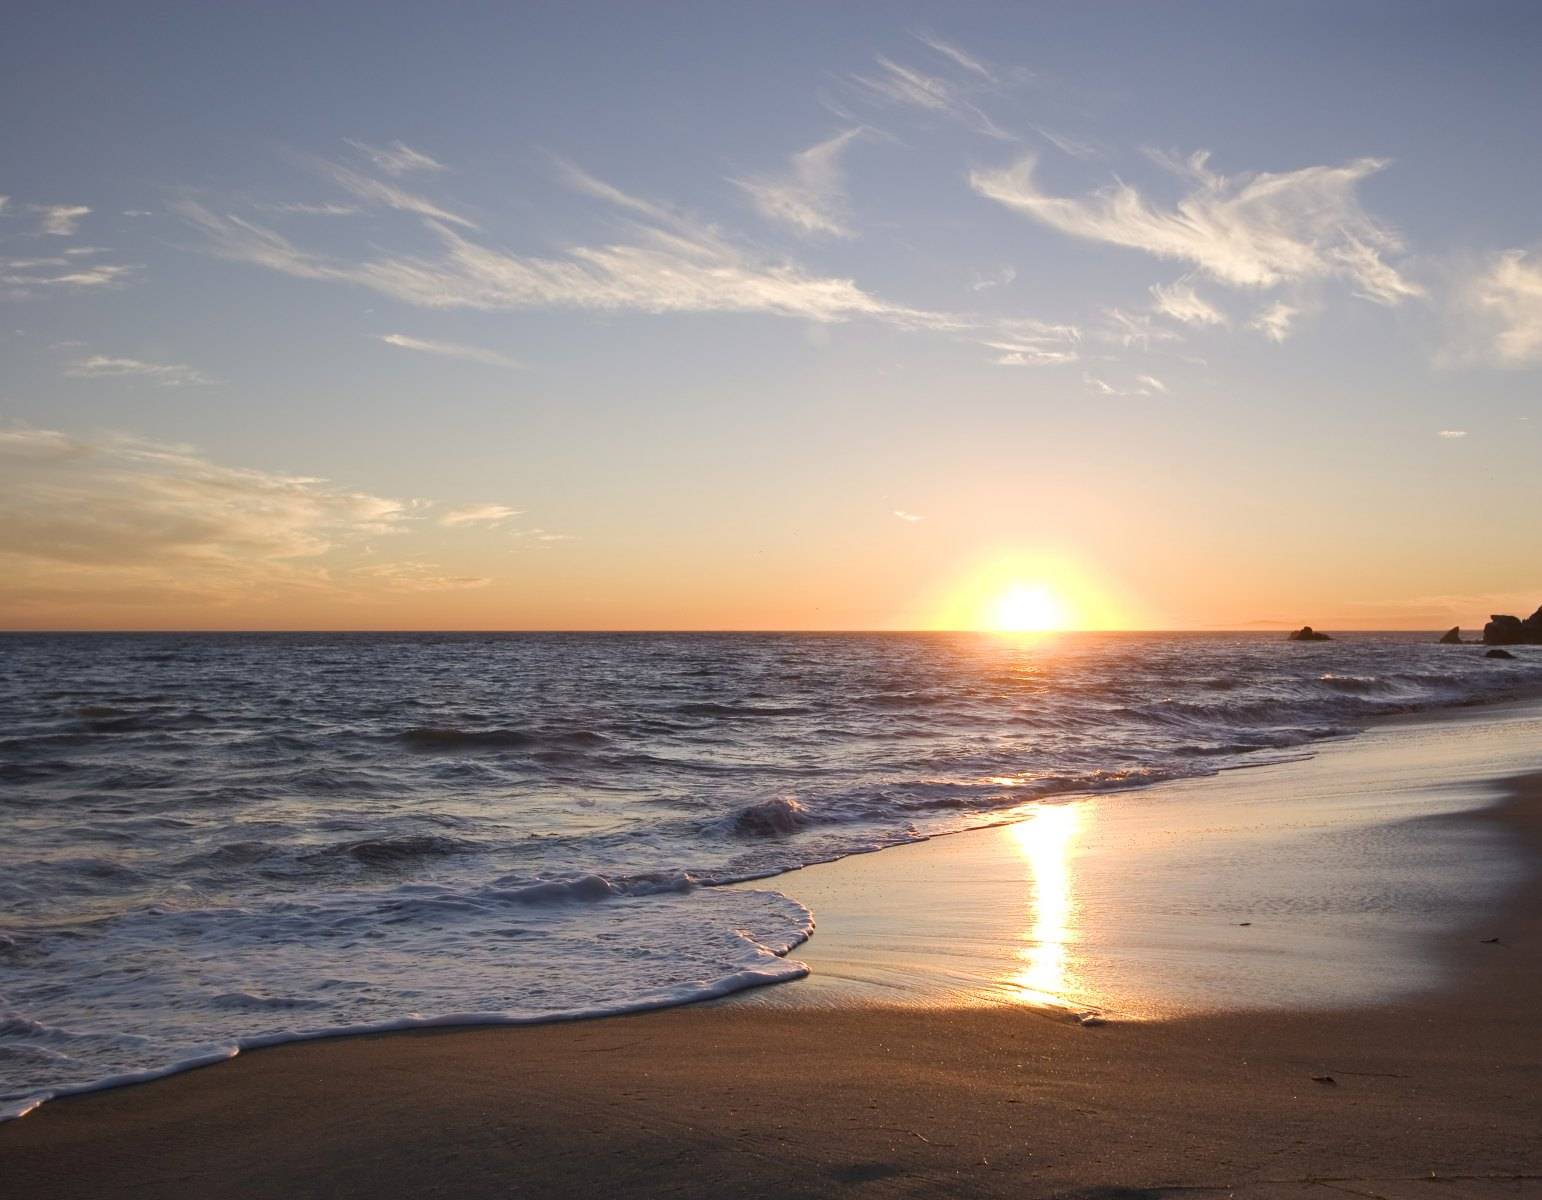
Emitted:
pixel 740 711
pixel 394 852
pixel 770 819
pixel 449 738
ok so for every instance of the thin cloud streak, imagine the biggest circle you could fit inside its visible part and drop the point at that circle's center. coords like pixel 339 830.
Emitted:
pixel 671 265
pixel 908 87
pixel 809 196
pixel 60 220
pixel 479 514
pixel 1182 303
pixel 388 195
pixel 396 159
pixel 1248 231
pixel 476 354
pixel 102 366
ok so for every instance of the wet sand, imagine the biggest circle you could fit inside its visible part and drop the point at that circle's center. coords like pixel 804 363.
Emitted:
pixel 883 1076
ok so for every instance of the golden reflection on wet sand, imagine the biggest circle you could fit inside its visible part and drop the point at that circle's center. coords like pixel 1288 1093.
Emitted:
pixel 1046 840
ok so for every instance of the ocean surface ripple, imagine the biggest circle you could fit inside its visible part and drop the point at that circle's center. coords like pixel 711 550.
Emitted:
pixel 220 841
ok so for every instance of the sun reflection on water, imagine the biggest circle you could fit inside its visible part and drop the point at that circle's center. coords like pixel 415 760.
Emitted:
pixel 1045 840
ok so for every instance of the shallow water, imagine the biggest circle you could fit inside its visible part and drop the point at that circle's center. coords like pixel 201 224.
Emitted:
pixel 222 840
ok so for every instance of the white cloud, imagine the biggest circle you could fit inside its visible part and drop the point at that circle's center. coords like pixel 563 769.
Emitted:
pixel 419 577
pixel 999 278
pixel 1182 303
pixel 60 220
pixel 902 85
pixel 310 210
pixel 478 514
pixel 474 354
pixel 1507 297
pixel 1073 147
pixel 1025 342
pixel 669 264
pixel 1135 329
pixel 1453 433
pixel 1149 385
pixel 809 195
pixel 911 517
pixel 121 502
pixel 388 195
pixel 1275 321
pixel 958 56
pixel 1016 354
pixel 397 158
pixel 23 275
pixel 101 366
pixel 1251 230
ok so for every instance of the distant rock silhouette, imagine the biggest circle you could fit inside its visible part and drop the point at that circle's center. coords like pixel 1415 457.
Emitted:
pixel 1452 636
pixel 1512 631
pixel 1499 654
pixel 1307 634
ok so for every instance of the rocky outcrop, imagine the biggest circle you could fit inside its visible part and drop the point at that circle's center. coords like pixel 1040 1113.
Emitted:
pixel 1499 654
pixel 1512 631
pixel 1307 634
pixel 1452 636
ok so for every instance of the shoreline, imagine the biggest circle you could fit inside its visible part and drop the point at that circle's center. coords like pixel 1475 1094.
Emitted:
pixel 1346 871
pixel 750 986
pixel 775 1099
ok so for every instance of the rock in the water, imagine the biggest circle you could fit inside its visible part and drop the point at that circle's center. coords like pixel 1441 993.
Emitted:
pixel 1499 654
pixel 1512 631
pixel 1307 634
pixel 1452 636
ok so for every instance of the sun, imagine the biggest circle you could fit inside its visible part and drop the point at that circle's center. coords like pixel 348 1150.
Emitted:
pixel 1026 608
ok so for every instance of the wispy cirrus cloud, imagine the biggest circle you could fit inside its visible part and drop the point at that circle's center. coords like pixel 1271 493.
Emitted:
pixel 22 276
pixel 59 220
pixel 898 84
pixel 668 263
pixel 984 281
pixel 1025 342
pixel 909 517
pixel 125 502
pixel 1505 301
pixel 479 514
pixel 299 208
pixel 1276 321
pixel 102 366
pixel 1145 385
pixel 476 354
pixel 1254 230
pixel 809 196
pixel 387 195
pixel 416 576
pixel 1182 303
pixel 957 55
pixel 396 159
pixel 1135 329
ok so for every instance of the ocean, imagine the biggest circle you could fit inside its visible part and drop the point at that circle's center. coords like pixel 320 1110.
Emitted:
pixel 216 841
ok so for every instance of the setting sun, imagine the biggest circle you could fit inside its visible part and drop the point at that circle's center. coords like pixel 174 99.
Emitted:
pixel 1027 608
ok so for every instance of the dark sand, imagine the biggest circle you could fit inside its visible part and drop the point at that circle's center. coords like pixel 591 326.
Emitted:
pixel 766 1100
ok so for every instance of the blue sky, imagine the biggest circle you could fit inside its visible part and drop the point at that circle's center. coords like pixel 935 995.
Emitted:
pixel 779 315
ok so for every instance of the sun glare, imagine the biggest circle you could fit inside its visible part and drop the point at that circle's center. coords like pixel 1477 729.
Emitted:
pixel 1027 608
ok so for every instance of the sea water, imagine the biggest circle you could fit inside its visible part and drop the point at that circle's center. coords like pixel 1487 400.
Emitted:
pixel 210 842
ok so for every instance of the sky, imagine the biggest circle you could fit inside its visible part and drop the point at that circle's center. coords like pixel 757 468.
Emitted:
pixel 773 316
